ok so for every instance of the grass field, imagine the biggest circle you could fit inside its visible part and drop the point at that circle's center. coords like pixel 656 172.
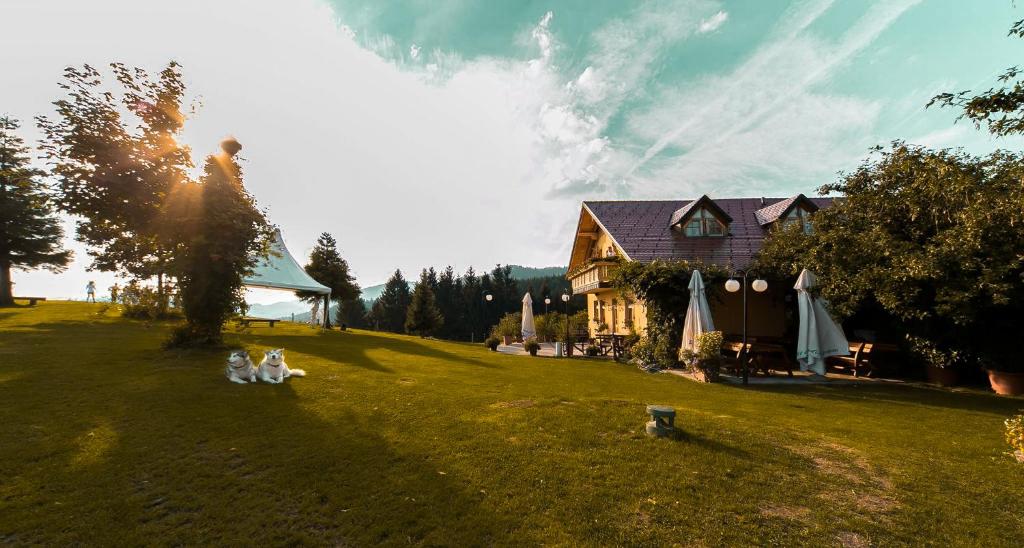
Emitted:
pixel 105 439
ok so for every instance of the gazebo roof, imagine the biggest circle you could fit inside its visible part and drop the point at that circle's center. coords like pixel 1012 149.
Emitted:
pixel 279 270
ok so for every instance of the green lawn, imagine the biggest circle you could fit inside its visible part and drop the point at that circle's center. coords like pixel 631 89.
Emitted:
pixel 106 439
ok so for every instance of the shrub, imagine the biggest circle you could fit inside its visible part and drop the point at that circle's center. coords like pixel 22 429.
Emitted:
pixel 653 352
pixel 1015 435
pixel 492 342
pixel 145 303
pixel 531 346
pixel 707 359
pixel 592 350
pixel 549 326
pixel 509 325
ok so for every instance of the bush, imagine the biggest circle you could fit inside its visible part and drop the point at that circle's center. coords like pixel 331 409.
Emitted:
pixel 531 346
pixel 492 342
pixel 653 353
pixel 707 359
pixel 549 325
pixel 145 303
pixel 592 350
pixel 1015 435
pixel 509 325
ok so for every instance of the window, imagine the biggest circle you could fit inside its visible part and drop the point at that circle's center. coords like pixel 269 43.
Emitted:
pixel 629 313
pixel 799 216
pixel 704 223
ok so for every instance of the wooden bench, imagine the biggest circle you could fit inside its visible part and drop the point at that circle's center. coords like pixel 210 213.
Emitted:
pixel 860 358
pixel 736 354
pixel 31 300
pixel 246 321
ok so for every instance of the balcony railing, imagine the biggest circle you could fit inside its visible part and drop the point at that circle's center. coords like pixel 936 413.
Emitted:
pixel 593 275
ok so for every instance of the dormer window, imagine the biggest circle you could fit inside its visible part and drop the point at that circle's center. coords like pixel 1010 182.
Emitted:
pixel 704 223
pixel 798 216
pixel 701 218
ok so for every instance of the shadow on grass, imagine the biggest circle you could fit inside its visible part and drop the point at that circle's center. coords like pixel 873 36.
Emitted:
pixel 186 457
pixel 900 395
pixel 692 438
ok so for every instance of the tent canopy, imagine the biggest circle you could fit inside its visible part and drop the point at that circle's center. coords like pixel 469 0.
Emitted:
pixel 279 270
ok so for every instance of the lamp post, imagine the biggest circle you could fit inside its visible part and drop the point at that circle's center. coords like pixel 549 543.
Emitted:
pixel 547 301
pixel 487 297
pixel 732 286
pixel 568 343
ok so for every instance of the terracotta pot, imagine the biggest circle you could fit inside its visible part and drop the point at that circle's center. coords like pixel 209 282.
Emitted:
pixel 1006 384
pixel 943 376
pixel 533 352
pixel 507 340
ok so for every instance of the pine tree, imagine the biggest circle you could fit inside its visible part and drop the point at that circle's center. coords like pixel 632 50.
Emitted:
pixel 394 303
pixel 423 317
pixel 30 233
pixel 352 313
pixel 225 236
pixel 327 267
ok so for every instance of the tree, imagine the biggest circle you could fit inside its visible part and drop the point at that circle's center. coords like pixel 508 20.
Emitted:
pixel 394 303
pixel 1000 109
pixel 120 181
pixel 327 267
pixel 30 232
pixel 423 317
pixel 935 238
pixel 225 236
pixel 352 313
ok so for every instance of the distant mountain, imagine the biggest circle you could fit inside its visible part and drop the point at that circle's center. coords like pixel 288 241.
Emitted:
pixel 527 272
pixel 304 316
pixel 281 310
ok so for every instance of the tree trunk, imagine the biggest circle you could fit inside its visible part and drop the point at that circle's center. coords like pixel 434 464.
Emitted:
pixel 327 312
pixel 6 294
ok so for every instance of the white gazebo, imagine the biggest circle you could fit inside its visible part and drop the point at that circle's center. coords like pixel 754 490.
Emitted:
pixel 279 270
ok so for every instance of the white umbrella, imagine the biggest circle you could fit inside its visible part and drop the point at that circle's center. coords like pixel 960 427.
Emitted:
pixel 698 314
pixel 819 335
pixel 528 328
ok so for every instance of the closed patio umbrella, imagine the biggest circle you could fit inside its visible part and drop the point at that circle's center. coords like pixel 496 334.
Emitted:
pixel 528 328
pixel 819 336
pixel 698 314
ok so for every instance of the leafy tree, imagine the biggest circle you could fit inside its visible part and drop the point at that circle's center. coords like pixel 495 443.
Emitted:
pixel 30 232
pixel 1000 109
pixel 423 317
pixel 225 236
pixel 394 303
pixel 935 238
pixel 327 267
pixel 116 179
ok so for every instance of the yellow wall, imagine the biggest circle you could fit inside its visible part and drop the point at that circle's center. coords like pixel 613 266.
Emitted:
pixel 614 307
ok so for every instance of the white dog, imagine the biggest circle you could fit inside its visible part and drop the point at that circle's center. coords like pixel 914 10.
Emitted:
pixel 240 368
pixel 274 370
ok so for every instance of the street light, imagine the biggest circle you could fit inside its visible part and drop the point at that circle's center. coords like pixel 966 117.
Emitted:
pixel 487 298
pixel 568 343
pixel 547 301
pixel 732 286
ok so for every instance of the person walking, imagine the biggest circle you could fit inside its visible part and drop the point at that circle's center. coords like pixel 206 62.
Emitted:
pixel 115 292
pixel 90 292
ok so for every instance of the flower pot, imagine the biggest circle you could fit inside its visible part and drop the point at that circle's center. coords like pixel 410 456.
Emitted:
pixel 943 376
pixel 533 353
pixel 1006 384
pixel 507 340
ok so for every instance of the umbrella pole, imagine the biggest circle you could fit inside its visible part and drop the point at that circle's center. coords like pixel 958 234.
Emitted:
pixel 746 358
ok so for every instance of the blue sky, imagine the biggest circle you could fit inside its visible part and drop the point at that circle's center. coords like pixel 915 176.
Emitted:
pixel 467 133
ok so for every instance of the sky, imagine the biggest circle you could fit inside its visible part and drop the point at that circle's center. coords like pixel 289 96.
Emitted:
pixel 429 132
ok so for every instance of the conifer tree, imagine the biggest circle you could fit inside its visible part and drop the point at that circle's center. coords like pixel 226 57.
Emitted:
pixel 224 237
pixel 394 303
pixel 30 232
pixel 327 267
pixel 423 317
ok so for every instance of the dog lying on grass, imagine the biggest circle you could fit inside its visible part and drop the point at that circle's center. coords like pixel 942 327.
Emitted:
pixel 240 368
pixel 273 369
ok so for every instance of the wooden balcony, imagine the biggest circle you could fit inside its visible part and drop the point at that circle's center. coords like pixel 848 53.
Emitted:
pixel 592 276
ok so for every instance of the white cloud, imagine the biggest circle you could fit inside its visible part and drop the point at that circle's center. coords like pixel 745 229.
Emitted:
pixel 712 23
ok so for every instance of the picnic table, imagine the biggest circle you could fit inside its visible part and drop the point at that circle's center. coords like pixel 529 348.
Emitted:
pixel 31 300
pixel 759 356
pixel 610 343
pixel 246 321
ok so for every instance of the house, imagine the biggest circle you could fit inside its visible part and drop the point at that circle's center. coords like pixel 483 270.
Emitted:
pixel 727 232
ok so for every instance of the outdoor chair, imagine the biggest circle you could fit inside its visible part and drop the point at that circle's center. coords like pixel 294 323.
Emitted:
pixel 860 358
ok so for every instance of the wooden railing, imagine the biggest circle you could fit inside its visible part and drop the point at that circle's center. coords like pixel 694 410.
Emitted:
pixel 592 276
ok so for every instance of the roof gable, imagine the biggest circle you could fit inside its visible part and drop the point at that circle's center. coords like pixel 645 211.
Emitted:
pixel 683 214
pixel 770 214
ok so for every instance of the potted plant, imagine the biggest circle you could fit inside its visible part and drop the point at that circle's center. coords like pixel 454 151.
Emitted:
pixel 492 343
pixel 532 346
pixel 706 361
pixel 1015 436
pixel 592 350
pixel 508 327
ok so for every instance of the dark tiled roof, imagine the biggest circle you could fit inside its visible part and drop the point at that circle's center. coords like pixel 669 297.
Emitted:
pixel 770 214
pixel 641 229
pixel 682 213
